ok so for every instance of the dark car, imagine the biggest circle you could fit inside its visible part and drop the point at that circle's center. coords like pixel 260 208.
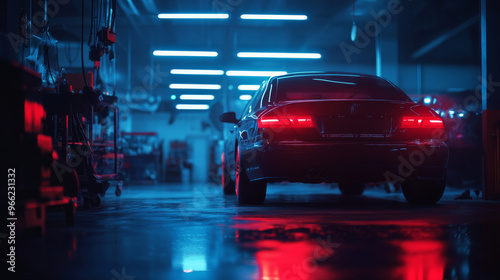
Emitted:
pixel 349 129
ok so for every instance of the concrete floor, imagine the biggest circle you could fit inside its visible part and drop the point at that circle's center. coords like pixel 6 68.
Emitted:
pixel 301 232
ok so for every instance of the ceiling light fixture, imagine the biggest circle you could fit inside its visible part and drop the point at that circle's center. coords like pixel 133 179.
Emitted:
pixel 248 87
pixel 195 86
pixel 196 72
pixel 274 17
pixel 185 53
pixel 279 55
pixel 193 16
pixel 245 97
pixel 197 97
pixel 354 28
pixel 255 73
pixel 192 107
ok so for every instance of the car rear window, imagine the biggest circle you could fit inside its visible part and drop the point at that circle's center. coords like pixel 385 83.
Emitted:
pixel 337 86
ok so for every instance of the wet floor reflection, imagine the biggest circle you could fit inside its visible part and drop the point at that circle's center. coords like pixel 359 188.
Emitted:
pixel 421 260
pixel 292 237
pixel 410 250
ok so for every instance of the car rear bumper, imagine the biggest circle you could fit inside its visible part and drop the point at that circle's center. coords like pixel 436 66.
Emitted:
pixel 346 161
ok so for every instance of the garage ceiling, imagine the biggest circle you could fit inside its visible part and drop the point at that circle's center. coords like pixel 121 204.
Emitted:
pixel 423 23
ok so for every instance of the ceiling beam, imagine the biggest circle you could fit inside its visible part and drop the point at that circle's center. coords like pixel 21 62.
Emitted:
pixel 444 37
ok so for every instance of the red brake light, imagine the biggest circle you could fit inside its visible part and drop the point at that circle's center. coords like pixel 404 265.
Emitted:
pixel 433 123
pixel 273 121
pixel 301 122
pixel 412 122
pixel 286 121
pixel 421 122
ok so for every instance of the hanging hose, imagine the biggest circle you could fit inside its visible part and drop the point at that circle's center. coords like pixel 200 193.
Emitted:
pixel 81 45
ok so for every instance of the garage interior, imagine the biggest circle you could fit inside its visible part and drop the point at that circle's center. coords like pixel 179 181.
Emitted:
pixel 113 140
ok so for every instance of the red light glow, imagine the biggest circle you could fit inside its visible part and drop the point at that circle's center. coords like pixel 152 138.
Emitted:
pixel 286 121
pixel 33 117
pixel 274 121
pixel 423 260
pixel 301 122
pixel 291 260
pixel 421 122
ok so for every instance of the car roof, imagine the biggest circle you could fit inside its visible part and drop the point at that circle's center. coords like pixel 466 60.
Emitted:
pixel 321 73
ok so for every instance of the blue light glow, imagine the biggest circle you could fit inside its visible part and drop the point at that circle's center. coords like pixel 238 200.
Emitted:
pixel 273 17
pixel 279 55
pixel 197 97
pixel 186 53
pixel 195 86
pixel 255 73
pixel 192 107
pixel 196 72
pixel 193 16
pixel 249 87
pixel 245 97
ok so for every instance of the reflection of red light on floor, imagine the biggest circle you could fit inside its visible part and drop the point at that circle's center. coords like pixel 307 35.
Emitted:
pixel 423 260
pixel 291 260
pixel 265 223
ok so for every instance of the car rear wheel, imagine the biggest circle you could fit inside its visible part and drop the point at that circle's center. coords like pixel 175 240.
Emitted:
pixel 228 185
pixel 351 188
pixel 248 192
pixel 423 191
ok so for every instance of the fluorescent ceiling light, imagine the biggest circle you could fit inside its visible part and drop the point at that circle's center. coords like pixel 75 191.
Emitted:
pixel 192 107
pixel 279 55
pixel 274 17
pixel 196 97
pixel 193 16
pixel 185 53
pixel 255 73
pixel 196 72
pixel 194 86
pixel 245 97
pixel 249 87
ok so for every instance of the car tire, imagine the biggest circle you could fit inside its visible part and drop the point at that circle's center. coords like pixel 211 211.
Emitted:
pixel 228 185
pixel 248 192
pixel 351 189
pixel 423 191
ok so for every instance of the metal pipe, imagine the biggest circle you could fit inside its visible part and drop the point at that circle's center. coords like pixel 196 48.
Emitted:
pixel 115 141
pixel 484 58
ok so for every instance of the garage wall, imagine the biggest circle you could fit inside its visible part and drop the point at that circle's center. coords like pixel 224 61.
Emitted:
pixel 187 127
pixel 438 78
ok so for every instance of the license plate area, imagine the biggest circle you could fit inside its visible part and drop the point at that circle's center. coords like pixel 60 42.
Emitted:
pixel 356 126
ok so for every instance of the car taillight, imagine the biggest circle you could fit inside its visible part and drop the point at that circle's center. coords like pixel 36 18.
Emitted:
pixel 433 123
pixel 286 121
pixel 301 122
pixel 274 121
pixel 422 122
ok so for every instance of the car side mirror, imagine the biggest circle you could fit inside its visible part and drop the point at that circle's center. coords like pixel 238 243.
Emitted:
pixel 229 117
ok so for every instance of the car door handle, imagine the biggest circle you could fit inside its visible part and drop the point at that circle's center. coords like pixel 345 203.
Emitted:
pixel 231 130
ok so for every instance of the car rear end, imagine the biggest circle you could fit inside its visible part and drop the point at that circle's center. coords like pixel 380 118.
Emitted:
pixel 346 128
